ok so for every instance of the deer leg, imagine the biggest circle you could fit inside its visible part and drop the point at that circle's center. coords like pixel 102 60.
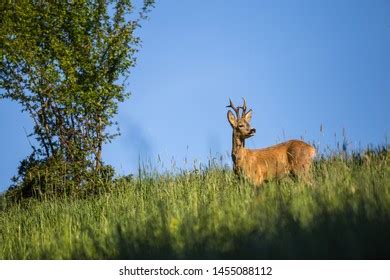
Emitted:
pixel 302 172
pixel 300 167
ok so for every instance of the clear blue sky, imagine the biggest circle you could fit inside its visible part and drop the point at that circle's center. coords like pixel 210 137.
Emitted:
pixel 300 64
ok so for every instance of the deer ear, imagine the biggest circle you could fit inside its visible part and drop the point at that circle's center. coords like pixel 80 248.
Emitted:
pixel 248 116
pixel 232 120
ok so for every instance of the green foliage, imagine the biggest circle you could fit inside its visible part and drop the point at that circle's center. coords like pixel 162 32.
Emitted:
pixel 54 177
pixel 63 62
pixel 344 212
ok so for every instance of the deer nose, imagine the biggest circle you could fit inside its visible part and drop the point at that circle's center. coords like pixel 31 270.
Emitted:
pixel 253 130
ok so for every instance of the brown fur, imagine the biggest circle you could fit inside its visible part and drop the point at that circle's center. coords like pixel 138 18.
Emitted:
pixel 257 165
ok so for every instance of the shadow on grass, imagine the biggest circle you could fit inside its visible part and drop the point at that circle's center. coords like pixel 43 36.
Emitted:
pixel 345 235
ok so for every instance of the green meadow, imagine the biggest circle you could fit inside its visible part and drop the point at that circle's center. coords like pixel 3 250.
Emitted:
pixel 342 212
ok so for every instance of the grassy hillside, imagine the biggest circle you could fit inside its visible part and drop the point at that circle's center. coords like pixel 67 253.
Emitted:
pixel 343 213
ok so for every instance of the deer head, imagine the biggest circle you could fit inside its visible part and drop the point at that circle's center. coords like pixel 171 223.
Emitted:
pixel 240 124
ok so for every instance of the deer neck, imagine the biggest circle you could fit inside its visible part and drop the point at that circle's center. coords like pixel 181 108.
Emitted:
pixel 237 146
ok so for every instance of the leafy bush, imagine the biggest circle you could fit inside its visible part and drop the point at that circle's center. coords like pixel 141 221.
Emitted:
pixel 56 177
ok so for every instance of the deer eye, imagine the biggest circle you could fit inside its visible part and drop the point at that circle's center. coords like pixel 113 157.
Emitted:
pixel 240 125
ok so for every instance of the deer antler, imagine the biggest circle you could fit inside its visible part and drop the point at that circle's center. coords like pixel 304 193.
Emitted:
pixel 236 110
pixel 244 112
pixel 243 108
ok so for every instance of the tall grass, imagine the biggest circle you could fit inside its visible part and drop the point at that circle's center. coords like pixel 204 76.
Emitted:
pixel 344 212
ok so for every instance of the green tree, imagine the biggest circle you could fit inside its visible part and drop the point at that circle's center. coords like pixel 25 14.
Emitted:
pixel 65 63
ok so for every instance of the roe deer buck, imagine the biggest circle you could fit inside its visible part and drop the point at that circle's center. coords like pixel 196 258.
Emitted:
pixel 291 157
